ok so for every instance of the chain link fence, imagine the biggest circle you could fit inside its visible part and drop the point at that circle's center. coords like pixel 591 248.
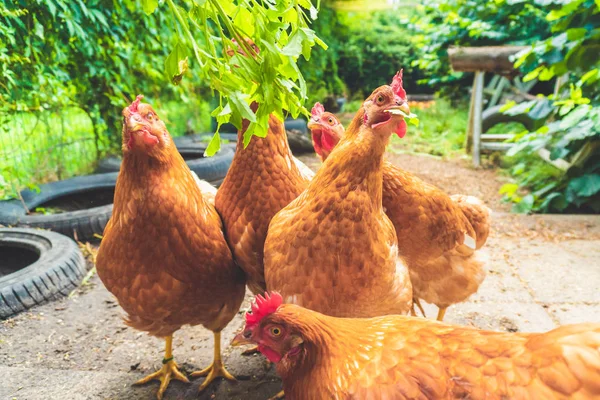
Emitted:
pixel 44 146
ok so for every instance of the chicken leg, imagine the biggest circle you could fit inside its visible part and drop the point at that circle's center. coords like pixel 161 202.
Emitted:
pixel 418 303
pixel 216 369
pixel 441 313
pixel 167 372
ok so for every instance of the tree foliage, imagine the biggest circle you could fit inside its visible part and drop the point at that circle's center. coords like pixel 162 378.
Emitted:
pixel 444 23
pixel 573 131
pixel 96 55
pixel 208 29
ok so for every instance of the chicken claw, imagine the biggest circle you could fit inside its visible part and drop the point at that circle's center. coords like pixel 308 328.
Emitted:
pixel 166 373
pixel 216 369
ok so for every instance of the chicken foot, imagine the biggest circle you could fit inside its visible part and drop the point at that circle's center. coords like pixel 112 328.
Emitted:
pixel 168 371
pixel 216 369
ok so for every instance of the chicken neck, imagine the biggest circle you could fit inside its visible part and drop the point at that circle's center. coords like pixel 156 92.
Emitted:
pixel 142 176
pixel 325 348
pixel 355 164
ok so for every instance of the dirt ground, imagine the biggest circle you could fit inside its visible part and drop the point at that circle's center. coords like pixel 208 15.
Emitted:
pixel 543 271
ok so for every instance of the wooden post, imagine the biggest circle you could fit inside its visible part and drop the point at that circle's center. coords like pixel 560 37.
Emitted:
pixel 477 110
pixel 469 138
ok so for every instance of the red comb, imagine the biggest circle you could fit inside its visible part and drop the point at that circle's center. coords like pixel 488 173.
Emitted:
pixel 317 110
pixel 262 307
pixel 134 106
pixel 397 86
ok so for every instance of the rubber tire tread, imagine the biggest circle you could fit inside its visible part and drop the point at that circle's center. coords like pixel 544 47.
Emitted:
pixel 59 269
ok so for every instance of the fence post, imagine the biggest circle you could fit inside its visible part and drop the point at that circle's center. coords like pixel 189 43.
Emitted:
pixel 477 110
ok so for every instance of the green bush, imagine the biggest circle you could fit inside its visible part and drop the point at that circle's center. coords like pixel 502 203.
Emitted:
pixel 444 23
pixel 375 47
pixel 572 134
pixel 57 56
pixel 365 50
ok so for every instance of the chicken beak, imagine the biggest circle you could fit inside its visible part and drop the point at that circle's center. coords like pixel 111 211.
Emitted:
pixel 240 340
pixel 312 124
pixel 134 127
pixel 402 107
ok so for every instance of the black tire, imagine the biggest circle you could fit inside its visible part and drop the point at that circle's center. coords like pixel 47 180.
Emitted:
pixel 213 169
pixel 298 124
pixel 80 224
pixel 58 270
pixel 493 116
pixel 192 147
pixel 109 164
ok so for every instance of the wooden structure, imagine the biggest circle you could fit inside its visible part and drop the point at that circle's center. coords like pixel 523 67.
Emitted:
pixel 493 59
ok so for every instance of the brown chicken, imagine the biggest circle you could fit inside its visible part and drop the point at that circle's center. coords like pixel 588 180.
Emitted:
pixel 437 233
pixel 398 357
pixel 163 254
pixel 263 178
pixel 333 249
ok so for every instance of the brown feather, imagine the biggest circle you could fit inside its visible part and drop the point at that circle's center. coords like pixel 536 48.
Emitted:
pixel 163 254
pixel 333 249
pixel 397 357
pixel 262 179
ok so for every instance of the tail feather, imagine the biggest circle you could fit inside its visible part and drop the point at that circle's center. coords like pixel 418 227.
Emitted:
pixel 478 215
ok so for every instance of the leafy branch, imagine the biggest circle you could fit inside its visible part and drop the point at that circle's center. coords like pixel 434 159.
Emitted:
pixel 246 50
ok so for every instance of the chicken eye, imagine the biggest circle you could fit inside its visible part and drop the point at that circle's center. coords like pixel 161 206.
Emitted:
pixel 330 120
pixel 149 116
pixel 380 99
pixel 275 331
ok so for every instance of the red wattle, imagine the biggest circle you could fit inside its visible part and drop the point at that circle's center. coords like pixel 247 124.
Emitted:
pixel 269 353
pixel 401 129
pixel 327 140
pixel 149 139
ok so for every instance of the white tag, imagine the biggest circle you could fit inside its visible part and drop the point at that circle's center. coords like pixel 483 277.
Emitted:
pixel 470 242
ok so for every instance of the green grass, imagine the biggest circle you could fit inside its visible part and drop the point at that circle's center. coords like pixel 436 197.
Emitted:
pixel 42 147
pixel 36 148
pixel 441 131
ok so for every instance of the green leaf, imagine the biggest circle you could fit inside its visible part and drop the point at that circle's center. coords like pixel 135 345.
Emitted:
pixel 554 200
pixel 509 189
pixel 294 46
pixel 575 116
pixel 149 6
pixel 213 146
pixel 525 205
pixel 585 186
pixel 237 101
pixel 176 63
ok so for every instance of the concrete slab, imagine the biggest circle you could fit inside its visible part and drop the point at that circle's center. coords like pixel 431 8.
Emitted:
pixel 555 274
pixel 575 313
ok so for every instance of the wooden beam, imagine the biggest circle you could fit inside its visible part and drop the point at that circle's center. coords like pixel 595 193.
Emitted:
pixel 497 136
pixel 488 59
pixel 496 146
